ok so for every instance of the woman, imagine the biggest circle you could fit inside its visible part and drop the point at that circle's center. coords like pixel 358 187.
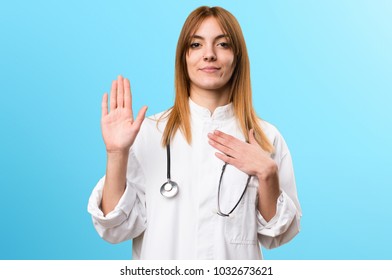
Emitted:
pixel 211 123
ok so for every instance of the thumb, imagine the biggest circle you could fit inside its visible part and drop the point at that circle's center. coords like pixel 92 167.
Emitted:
pixel 140 116
pixel 252 139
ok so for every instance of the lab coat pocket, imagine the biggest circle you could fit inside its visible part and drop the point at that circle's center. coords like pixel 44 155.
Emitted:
pixel 241 225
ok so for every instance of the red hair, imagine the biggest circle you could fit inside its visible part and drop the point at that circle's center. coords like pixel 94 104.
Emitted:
pixel 240 90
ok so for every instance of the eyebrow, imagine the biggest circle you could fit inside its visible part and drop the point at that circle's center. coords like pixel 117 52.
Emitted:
pixel 216 38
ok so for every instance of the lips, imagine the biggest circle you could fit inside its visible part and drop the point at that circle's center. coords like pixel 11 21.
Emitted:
pixel 210 69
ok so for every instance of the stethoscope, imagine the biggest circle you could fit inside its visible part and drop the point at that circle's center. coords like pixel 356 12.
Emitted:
pixel 170 188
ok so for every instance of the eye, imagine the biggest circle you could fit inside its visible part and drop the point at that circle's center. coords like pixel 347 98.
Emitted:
pixel 195 45
pixel 224 45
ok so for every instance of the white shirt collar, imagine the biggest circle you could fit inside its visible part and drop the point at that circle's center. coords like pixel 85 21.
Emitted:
pixel 221 113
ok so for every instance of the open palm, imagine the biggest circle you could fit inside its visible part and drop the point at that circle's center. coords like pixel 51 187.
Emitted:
pixel 119 129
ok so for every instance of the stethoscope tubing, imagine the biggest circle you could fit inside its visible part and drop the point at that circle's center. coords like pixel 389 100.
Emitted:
pixel 219 212
pixel 170 188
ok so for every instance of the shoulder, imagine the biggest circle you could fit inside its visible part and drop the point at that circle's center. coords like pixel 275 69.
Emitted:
pixel 155 123
pixel 275 137
pixel 150 133
pixel 152 129
pixel 270 130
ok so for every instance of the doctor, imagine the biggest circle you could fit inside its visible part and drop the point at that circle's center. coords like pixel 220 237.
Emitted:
pixel 232 185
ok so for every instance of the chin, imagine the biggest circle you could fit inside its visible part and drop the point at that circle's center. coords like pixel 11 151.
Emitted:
pixel 212 86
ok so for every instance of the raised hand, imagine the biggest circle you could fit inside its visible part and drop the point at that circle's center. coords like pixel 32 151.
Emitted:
pixel 119 129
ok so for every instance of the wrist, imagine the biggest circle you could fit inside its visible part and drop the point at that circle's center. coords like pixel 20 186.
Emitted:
pixel 117 155
pixel 271 171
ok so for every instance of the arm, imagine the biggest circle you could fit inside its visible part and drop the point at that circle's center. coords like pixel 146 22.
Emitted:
pixel 128 219
pixel 253 160
pixel 119 131
pixel 279 212
pixel 286 223
pixel 115 180
pixel 117 205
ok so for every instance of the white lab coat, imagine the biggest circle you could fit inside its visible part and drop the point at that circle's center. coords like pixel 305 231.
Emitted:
pixel 187 226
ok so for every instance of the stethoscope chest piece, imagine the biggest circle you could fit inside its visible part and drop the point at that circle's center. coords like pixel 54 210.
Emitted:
pixel 169 189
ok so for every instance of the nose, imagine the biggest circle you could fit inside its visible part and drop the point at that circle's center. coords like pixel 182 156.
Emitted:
pixel 209 54
pixel 209 57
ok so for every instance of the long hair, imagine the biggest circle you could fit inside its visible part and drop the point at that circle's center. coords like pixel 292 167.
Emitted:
pixel 240 88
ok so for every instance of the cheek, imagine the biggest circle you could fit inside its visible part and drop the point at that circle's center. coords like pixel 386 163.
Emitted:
pixel 230 67
pixel 188 68
pixel 230 62
pixel 191 57
pixel 189 63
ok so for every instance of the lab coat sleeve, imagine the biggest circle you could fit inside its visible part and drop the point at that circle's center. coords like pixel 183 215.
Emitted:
pixel 285 225
pixel 128 219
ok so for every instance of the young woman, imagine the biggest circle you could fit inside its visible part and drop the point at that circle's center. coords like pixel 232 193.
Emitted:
pixel 206 179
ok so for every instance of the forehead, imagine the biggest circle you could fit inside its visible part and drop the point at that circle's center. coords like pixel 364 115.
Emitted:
pixel 209 26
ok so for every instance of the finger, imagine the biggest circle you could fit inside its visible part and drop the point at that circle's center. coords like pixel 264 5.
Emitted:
pixel 127 95
pixel 104 105
pixel 252 139
pixel 226 158
pixel 225 139
pixel 113 96
pixel 120 92
pixel 140 117
pixel 222 148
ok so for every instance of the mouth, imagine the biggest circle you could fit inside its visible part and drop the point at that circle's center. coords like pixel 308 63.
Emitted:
pixel 210 69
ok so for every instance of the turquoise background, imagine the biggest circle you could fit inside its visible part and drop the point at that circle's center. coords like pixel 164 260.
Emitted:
pixel 321 72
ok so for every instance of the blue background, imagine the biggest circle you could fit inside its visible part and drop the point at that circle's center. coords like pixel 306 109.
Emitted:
pixel 321 72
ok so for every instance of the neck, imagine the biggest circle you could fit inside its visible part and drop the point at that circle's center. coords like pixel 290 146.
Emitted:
pixel 210 99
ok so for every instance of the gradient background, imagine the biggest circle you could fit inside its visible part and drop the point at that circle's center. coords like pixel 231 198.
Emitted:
pixel 321 72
